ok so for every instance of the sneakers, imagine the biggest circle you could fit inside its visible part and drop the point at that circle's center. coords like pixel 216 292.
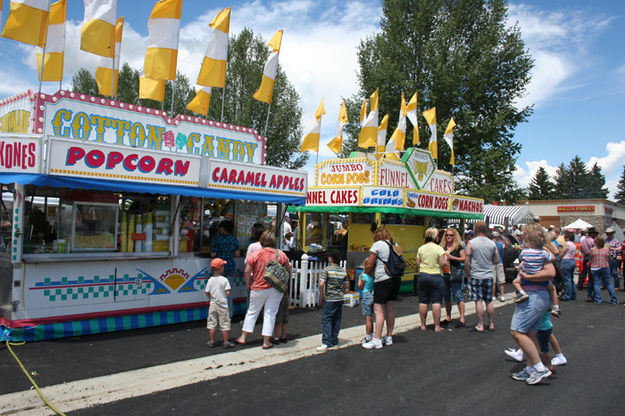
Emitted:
pixel 515 354
pixel 522 375
pixel 210 344
pixel 537 376
pixel 558 360
pixel 502 298
pixel 322 347
pixel 521 297
pixel 374 343
pixel 228 345
pixel 555 311
pixel 387 340
pixel 366 339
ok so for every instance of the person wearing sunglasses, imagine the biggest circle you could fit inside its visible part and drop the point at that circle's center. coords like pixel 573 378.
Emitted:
pixel 454 275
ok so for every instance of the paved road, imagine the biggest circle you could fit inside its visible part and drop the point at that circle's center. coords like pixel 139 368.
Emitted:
pixel 450 373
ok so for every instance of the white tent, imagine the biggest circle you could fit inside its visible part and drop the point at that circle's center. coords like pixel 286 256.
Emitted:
pixel 579 224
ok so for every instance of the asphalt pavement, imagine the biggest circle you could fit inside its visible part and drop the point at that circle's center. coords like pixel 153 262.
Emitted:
pixel 451 373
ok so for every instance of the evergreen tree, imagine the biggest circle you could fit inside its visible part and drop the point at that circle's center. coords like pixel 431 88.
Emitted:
pixel 577 180
pixel 463 58
pixel 595 183
pixel 620 193
pixel 541 186
pixel 561 180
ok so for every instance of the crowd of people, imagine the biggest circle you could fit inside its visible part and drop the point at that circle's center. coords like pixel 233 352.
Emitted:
pixel 444 263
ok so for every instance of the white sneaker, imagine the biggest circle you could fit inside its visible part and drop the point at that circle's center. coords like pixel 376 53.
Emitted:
pixel 322 347
pixel 502 298
pixel 515 354
pixel 366 339
pixel 558 360
pixel 374 343
pixel 387 340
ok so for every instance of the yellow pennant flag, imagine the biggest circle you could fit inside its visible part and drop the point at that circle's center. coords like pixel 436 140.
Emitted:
pixel 336 144
pixel 363 110
pixel 161 56
pixel 449 138
pixel 27 22
pixel 55 45
pixel 382 129
pixel 311 140
pixel 201 101
pixel 213 71
pixel 97 34
pixel 430 117
pixel 104 72
pixel 368 136
pixel 153 89
pixel 265 90
pixel 411 113
pixel 397 141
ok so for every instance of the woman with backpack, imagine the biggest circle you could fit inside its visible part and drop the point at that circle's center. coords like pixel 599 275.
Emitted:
pixel 385 288
pixel 431 260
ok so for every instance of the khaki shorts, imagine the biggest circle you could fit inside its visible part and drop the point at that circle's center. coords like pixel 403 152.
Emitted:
pixel 218 316
pixel 498 273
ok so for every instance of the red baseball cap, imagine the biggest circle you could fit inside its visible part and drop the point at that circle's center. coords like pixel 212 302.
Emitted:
pixel 217 263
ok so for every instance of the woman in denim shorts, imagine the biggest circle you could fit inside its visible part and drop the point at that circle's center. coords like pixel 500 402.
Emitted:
pixel 454 278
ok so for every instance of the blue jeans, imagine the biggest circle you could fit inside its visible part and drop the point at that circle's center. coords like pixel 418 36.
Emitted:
pixel 331 322
pixel 602 278
pixel 568 268
pixel 614 273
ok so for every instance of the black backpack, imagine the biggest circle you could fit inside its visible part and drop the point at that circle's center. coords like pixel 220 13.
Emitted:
pixel 395 265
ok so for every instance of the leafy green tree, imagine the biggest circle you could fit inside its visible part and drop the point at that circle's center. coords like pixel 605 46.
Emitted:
pixel 247 54
pixel 463 58
pixel 620 193
pixel 541 186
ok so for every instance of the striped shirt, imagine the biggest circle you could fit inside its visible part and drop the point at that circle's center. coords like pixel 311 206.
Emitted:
pixel 600 258
pixel 334 278
pixel 533 261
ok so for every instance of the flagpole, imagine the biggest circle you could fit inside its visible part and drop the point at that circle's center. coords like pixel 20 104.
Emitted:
pixel 173 94
pixel 113 77
pixel 223 101
pixel 43 55
pixel 267 120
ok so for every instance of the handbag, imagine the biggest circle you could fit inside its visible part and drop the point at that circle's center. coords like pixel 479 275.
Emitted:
pixel 276 275
pixel 457 274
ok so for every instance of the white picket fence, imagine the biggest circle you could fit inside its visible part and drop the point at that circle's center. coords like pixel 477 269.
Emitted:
pixel 304 282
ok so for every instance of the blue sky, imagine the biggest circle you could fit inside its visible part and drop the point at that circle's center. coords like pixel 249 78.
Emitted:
pixel 578 85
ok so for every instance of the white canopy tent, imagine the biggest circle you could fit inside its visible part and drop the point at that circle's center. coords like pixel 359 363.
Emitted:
pixel 578 224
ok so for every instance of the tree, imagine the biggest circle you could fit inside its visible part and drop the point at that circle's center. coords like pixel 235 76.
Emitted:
pixel 461 57
pixel 620 186
pixel 246 59
pixel 595 183
pixel 561 180
pixel 541 186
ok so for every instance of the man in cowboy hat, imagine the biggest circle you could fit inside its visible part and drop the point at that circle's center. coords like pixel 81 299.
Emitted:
pixel 615 253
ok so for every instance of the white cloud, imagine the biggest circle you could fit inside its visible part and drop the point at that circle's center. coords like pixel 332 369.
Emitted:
pixel 611 166
pixel 558 41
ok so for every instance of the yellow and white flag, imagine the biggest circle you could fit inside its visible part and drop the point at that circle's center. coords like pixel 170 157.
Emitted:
pixel 336 144
pixel 368 136
pixel 55 45
pixel 430 117
pixel 449 138
pixel 163 36
pixel 265 91
pixel 311 140
pixel 398 139
pixel 201 102
pixel 411 113
pixel 363 110
pixel 104 71
pixel 97 34
pixel 213 71
pixel 27 21
pixel 382 129
pixel 153 89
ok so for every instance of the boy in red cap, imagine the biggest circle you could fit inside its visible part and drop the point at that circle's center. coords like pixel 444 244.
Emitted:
pixel 218 289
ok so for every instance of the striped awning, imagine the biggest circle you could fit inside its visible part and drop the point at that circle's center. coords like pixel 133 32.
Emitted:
pixel 514 214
